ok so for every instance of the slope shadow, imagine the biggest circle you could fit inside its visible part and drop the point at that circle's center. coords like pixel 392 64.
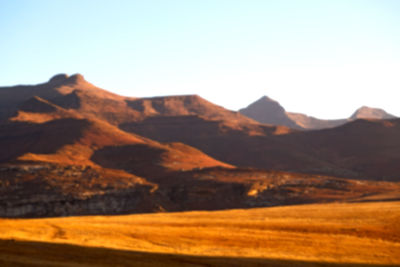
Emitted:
pixel 18 138
pixel 139 159
pixel 28 253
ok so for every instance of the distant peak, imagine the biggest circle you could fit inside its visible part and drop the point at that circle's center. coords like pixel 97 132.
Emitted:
pixel 263 104
pixel 364 108
pixel 269 111
pixel 266 98
pixel 366 112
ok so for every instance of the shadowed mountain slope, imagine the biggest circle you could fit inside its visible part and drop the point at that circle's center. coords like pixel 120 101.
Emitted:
pixel 360 149
pixel 74 140
pixel 366 148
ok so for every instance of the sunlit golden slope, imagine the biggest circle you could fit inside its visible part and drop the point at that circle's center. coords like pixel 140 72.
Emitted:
pixel 341 233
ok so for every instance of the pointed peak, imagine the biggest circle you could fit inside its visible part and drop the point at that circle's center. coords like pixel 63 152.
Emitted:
pixel 267 99
pixel 269 111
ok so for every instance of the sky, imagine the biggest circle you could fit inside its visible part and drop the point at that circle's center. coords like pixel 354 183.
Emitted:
pixel 322 58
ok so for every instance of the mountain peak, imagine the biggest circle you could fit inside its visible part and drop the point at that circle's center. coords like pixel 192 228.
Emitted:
pixel 266 99
pixel 76 78
pixel 267 110
pixel 59 78
pixel 366 112
pixel 265 104
pixel 63 78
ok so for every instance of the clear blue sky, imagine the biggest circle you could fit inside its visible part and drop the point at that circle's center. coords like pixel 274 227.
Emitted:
pixel 323 58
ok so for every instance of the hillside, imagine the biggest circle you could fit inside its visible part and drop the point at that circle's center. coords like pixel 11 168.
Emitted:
pixel 75 94
pixel 59 167
pixel 68 92
pixel 363 149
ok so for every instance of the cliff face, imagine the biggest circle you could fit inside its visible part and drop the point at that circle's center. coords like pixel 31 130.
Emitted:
pixel 46 190
pixel 49 190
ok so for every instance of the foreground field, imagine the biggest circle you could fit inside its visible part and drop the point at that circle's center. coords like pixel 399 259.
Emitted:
pixel 307 235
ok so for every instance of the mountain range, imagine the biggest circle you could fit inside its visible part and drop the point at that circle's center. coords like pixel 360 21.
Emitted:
pixel 70 148
pixel 269 111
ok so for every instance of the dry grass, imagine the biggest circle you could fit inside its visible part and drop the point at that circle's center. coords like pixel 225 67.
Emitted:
pixel 324 233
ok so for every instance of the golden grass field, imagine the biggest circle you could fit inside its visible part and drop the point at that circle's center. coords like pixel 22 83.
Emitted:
pixel 306 235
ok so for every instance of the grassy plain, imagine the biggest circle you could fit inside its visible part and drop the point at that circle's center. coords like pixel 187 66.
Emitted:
pixel 304 235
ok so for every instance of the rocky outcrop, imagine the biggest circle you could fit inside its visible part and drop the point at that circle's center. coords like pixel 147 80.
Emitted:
pixel 48 190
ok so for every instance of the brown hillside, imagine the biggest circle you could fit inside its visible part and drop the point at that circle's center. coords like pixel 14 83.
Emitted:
pixel 360 149
pixel 64 166
pixel 74 141
pixel 69 92
pixel 189 105
pixel 80 166
pixel 39 110
pixel 368 148
pixel 75 93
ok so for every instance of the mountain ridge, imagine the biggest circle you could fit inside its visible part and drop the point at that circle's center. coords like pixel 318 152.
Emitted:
pixel 267 110
pixel 69 147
